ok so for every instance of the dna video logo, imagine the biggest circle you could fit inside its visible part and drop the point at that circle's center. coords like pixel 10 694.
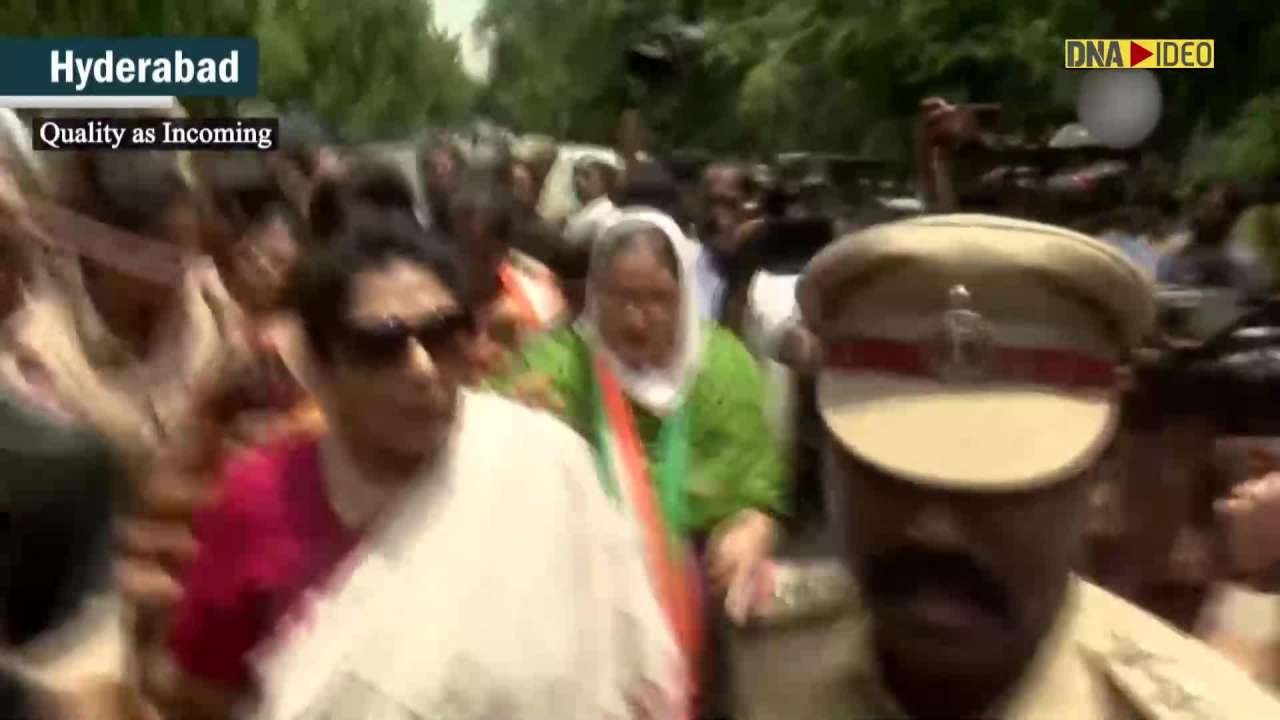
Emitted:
pixel 1097 54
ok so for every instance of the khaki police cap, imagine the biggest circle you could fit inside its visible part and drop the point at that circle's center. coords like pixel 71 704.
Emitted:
pixel 973 352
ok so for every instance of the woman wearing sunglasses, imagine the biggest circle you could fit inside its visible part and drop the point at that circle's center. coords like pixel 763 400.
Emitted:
pixel 405 565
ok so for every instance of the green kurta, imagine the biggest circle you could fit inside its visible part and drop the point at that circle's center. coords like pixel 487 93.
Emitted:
pixel 734 464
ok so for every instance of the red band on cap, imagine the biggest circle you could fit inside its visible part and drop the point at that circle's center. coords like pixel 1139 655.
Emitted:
pixel 1058 368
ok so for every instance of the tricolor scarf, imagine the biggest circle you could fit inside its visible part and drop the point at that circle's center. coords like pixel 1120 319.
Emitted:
pixel 653 496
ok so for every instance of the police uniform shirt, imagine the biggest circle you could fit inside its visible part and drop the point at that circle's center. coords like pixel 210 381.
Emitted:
pixel 1105 659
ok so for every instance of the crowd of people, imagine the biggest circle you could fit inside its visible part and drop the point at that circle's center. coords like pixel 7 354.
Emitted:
pixel 301 435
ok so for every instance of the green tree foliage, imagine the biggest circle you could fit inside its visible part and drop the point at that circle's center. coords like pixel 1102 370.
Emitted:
pixel 848 74
pixel 371 69
pixel 558 65
pixel 1246 150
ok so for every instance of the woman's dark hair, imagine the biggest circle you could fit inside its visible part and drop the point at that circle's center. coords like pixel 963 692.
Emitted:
pixel 687 166
pixel 571 263
pixel 372 184
pixel 650 185
pixel 381 184
pixel 302 136
pixel 482 196
pixel 646 236
pixel 133 190
pixel 242 187
pixel 326 211
pixel 320 287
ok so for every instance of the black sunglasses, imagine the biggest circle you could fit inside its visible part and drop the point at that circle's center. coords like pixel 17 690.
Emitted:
pixel 386 342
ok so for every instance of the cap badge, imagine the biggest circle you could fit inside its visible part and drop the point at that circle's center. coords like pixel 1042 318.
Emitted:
pixel 962 351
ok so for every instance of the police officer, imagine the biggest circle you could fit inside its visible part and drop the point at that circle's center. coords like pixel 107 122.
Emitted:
pixel 968 388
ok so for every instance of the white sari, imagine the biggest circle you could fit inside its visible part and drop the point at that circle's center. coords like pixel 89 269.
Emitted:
pixel 504 587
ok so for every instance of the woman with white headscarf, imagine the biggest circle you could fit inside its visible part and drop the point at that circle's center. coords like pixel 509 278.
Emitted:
pixel 673 407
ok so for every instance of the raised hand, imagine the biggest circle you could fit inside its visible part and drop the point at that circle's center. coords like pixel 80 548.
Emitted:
pixel 949 125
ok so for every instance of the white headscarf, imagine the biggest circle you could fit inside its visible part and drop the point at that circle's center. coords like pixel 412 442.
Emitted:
pixel 659 390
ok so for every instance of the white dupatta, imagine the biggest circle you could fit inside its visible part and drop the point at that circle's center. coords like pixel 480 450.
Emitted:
pixel 505 587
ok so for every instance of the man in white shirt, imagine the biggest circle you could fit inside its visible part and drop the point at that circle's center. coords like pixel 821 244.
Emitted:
pixel 728 193
pixel 595 179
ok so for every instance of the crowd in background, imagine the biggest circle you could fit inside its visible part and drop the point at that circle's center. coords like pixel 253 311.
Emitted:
pixel 196 329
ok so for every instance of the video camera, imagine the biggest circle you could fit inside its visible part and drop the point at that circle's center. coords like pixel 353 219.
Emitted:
pixel 843 181
pixel 809 199
pixel 1216 352
pixel 1232 378
pixel 668 49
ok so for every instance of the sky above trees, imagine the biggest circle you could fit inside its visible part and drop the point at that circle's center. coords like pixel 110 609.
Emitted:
pixel 457 18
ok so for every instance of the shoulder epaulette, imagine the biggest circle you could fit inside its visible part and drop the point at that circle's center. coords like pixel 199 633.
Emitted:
pixel 1166 674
